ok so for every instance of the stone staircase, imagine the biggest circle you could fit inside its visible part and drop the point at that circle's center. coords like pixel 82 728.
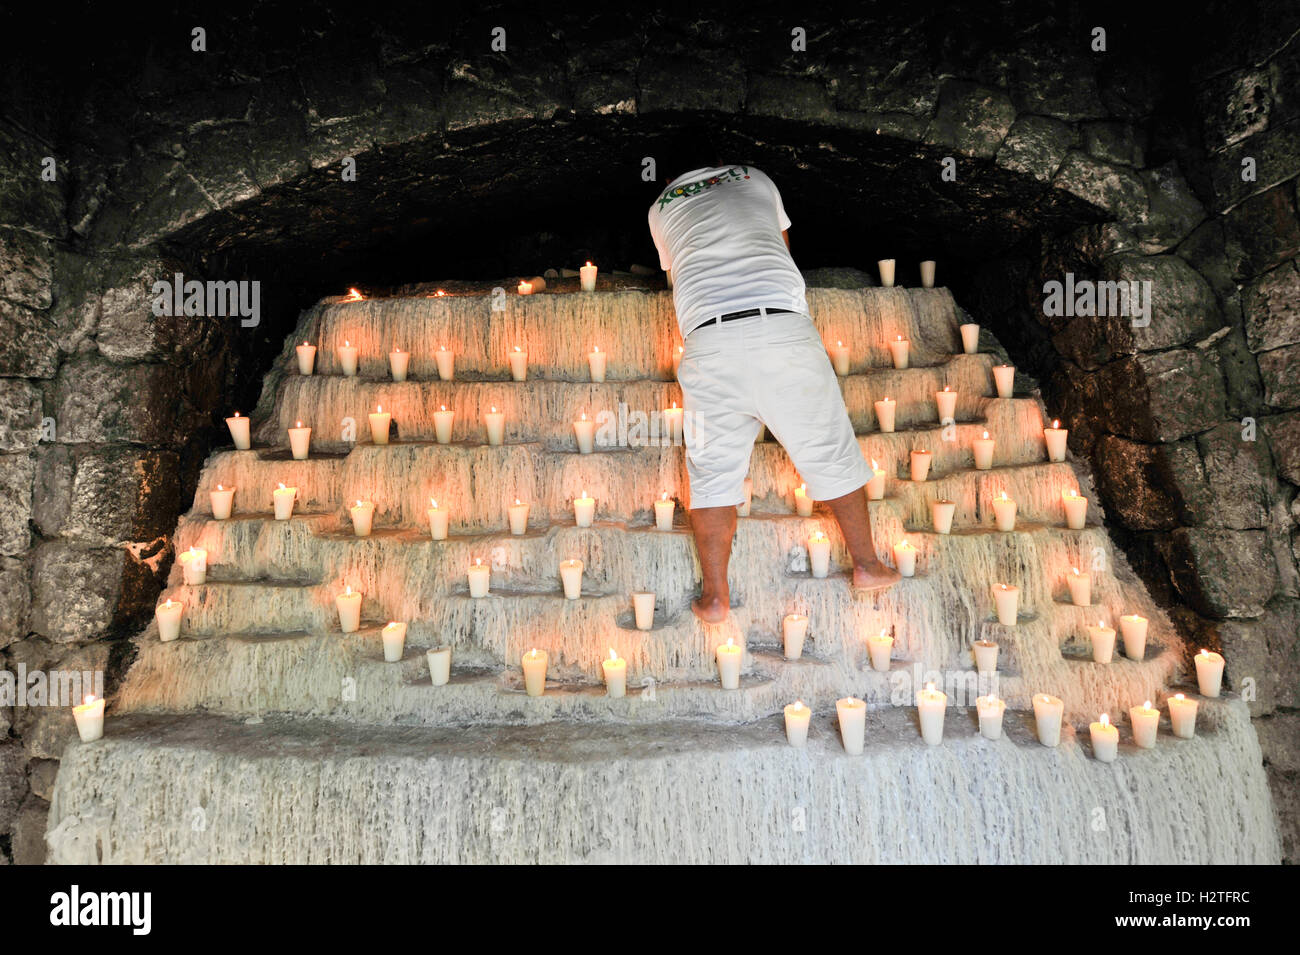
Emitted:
pixel 265 734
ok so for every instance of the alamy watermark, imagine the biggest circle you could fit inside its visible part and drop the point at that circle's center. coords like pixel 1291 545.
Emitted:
pixel 1092 299
pixel 211 299
pixel 49 687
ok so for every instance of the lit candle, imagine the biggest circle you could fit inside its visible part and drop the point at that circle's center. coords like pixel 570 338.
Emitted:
pixel 1146 721
pixel 363 515
pixel 587 277
pixel 299 441
pixel 886 267
pixel 1133 630
pixel 803 504
pixel 534 663
pixel 643 609
pixel 439 665
pixel 446 362
pixel 927 273
pixel 946 403
pixel 89 717
pixel 223 499
pixel 1182 716
pixel 840 358
pixel 1048 711
pixel 394 637
pixel 970 338
pixel 596 362
pixel 194 566
pixel 797 718
pixel 742 509
pixel 794 630
pixel 282 499
pixel 677 359
pixel 525 288
pixel 1004 378
pixel 1105 739
pixel 986 656
pixel 398 361
pixel 729 657
pixel 495 422
pixel 238 426
pixel 306 358
pixel 905 558
pixel 519 364
pixel 353 296
pixel 920 465
pixel 439 521
pixel 480 578
pixel 990 710
pixel 664 508
pixel 584 429
pixel 885 409
pixel 1080 588
pixel 876 486
pixel 442 422
pixel 1103 642
pixel 898 349
pixel 941 515
pixel 584 510
pixel 931 705
pixel 983 448
pixel 1007 599
pixel 819 554
pixel 1076 509
pixel 168 616
pixel 347 354
pixel 1209 673
pixel 1004 513
pixel 1055 438
pixel 879 649
pixel 348 604
pixel 518 518
pixel 615 671
pixel 673 422
pixel 379 425
pixel 571 578
pixel 852 714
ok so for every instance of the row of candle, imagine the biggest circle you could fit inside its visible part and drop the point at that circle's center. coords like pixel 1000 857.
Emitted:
pixel 888 267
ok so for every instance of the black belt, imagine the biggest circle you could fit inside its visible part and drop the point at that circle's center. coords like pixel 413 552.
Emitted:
pixel 747 313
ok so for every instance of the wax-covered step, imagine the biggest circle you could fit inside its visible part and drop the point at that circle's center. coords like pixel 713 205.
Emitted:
pixel 913 390
pixel 256 476
pixel 258 546
pixel 1036 489
pixel 262 606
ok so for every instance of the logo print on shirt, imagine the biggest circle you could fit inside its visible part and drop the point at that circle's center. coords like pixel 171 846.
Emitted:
pixel 687 190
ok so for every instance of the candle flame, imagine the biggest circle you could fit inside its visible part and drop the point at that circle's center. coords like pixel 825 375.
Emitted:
pixel 874 465
pixel 90 699
pixel 612 654
pixel 680 349
pixel 442 348
pixel 532 652
pixel 798 704
pixel 349 589
pixel 516 501
pixel 731 641
pixel 900 338
pixel 298 425
pixel 1204 652
pixel 1104 720
pixel 354 295
pixel 433 503
pixel 379 409
pixel 168 605
pixel 517 348
pixel 595 349
pixel 584 493
pixel 494 409
pixel 444 408
pixel 478 561
pixel 840 343
pixel 236 414
pixel 1076 570
pixel 929 688
pixel 440 293
pixel 946 388
pixel 220 488
pixel 674 407
pixel 986 435
pixel 1179 696
pixel 305 344
pixel 803 488
pixel 1004 495
pixel 1003 586
pixel 192 550
pixel 589 264
pixel 664 497
pixel 358 503
pixel 282 487
pixel 346 343
pixel 1146 705
pixel 1056 423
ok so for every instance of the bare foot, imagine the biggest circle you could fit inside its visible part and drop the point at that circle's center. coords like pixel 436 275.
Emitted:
pixel 875 576
pixel 711 610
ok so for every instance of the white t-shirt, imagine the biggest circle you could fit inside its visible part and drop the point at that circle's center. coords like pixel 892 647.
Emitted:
pixel 719 230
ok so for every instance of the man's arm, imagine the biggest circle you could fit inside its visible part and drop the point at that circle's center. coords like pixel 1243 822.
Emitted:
pixel 785 234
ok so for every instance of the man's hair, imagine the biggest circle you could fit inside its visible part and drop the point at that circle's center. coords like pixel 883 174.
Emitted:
pixel 681 150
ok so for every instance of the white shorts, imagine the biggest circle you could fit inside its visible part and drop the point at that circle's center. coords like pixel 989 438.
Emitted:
pixel 764 370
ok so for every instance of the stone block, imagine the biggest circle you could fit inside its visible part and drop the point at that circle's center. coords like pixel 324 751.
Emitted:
pixel 17 472
pixel 683 81
pixel 1279 369
pixel 1113 142
pixel 15 601
pixel 1283 433
pixel 1221 573
pixel 1271 308
pixel 1262 232
pixel 1036 145
pixel 1151 486
pixel 1173 211
pixel 26 200
pixel 1265 651
pixel 20 415
pixel 13 783
pixel 98 401
pixel 1116 189
pixel 41 774
pixel 27 346
pixel 1276 152
pixel 75 591
pixel 788 97
pixel 25 268
pixel 1158 396
pixel 123 494
pixel 971 119
pixel 1236 470
pixel 28 835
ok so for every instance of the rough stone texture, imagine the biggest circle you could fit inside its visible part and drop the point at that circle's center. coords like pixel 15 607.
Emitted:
pixel 1264 651
pixel 1239 469
pixel 75 592
pixel 1158 396
pixel 27 346
pixel 13 783
pixel 16 474
pixel 1261 233
pixel 46 730
pixel 28 842
pixel 971 119
pixel 15 600
pixel 1280 371
pixel 1113 188
pixel 1152 486
pixel 25 271
pixel 1036 145
pixel 1271 306
pixel 1221 573
pixel 1283 432
pixel 20 415
pixel 121 495
pixel 1173 209
pixel 40 777
pixel 97 401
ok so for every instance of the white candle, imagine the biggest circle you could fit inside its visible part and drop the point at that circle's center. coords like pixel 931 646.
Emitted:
pixel 931 704
pixel 379 425
pixel 495 423
pixel 446 361
pixel 89 717
pixel 615 671
pixel 986 656
pixel 920 465
pixel 852 714
pixel 282 498
pixel 168 616
pixel 879 649
pixel 803 504
pixel 519 364
pixel 525 288
pixel 1103 642
pixel 905 558
pixel 970 338
pixel 194 566
pixel 1081 588
pixel 480 578
pixel 1004 513
pixel 238 426
pixel 1105 739
pixel 742 509
pixel 876 486
pixel 223 499
pixel 673 423
pixel 1076 509
pixel 946 403
pixel 643 609
pixel 299 441
pixel 819 554
pixel 927 273
pixel 677 359
pixel 394 637
pixel 898 350
pixel 442 422
pixel 941 514
pixel 1209 673
pixel 587 277
pixel 584 430
pixel 584 510
pixel 398 361
pixel 518 518
pixel 840 358
pixel 439 665
pixel 1182 716
pixel 1048 711
pixel 729 657
pixel 990 709
pixel 596 362
pixel 347 354
pixel 534 663
pixel 1146 722
pixel 1133 630
pixel 363 514
pixel 1007 600
pixel 797 718
pixel 886 267
pixel 885 409
pixel 1055 439
pixel 983 448
pixel 794 631
pixel 571 578
pixel 664 508
pixel 439 521
pixel 306 358
pixel 1004 377
pixel 348 605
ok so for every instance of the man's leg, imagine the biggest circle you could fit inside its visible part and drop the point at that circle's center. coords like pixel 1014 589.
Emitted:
pixel 714 529
pixel 854 517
